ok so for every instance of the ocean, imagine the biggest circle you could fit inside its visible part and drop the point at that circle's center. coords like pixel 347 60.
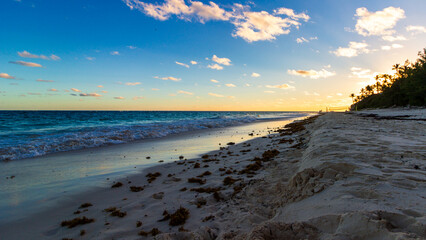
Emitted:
pixel 28 134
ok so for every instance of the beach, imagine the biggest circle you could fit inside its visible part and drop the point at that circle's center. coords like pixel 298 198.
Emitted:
pixel 355 175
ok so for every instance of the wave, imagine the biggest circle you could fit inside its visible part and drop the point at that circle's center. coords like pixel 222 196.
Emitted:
pixel 82 138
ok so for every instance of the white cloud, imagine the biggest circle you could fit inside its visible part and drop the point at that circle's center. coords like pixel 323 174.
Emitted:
pixel 185 92
pixel 378 23
pixel 339 94
pixel 215 81
pixel 397 45
pixel 251 26
pixel 52 90
pixel 42 80
pixel 27 64
pixel 169 78
pixel 215 95
pixel 393 39
pixel 312 73
pixel 386 48
pixel 132 83
pixel 182 64
pixel 75 90
pixel 155 89
pixel 26 54
pixel 7 76
pixel 290 12
pixel 353 50
pixel 215 66
pixel 90 58
pixel 137 98
pixel 90 95
pixel 269 91
pixel 282 86
pixel 119 98
pixel 194 62
pixel 131 47
pixel 223 61
pixel 114 53
pixel 416 29
pixel 255 75
pixel 301 40
pixel 230 85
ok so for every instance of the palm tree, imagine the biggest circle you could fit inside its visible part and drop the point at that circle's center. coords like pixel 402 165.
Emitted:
pixel 352 96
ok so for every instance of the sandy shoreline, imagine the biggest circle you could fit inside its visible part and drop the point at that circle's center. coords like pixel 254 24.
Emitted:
pixel 340 176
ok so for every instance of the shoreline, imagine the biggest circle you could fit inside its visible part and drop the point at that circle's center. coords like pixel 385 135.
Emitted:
pixel 334 177
pixel 64 174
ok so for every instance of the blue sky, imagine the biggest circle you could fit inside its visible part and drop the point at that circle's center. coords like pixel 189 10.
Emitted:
pixel 263 55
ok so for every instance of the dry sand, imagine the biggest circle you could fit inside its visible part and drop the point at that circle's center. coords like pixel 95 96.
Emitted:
pixel 339 176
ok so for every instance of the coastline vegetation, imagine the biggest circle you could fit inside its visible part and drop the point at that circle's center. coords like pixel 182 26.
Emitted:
pixel 407 87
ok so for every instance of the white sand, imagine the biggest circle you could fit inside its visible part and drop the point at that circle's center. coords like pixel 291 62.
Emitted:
pixel 352 177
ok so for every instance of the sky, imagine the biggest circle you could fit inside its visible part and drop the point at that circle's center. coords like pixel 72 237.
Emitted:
pixel 216 55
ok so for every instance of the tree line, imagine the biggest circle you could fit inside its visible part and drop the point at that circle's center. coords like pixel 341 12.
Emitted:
pixel 407 87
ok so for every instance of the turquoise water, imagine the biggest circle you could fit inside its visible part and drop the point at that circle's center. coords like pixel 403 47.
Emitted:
pixel 27 134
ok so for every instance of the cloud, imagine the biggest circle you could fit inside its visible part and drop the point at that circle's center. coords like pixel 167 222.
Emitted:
pixel 377 23
pixel 75 90
pixel 132 83
pixel 395 45
pixel 120 98
pixel 184 92
pixel 169 78
pixel 27 64
pixel 155 89
pixel 114 53
pixel 194 62
pixel 137 98
pixel 416 29
pixel 42 80
pixel 353 50
pixel 182 64
pixel 52 90
pixel 7 76
pixel 26 54
pixel 215 95
pixel 249 25
pixel 90 58
pixel 223 61
pixel 36 94
pixel 215 66
pixel 100 86
pixel 215 81
pixel 255 75
pixel 282 86
pixel 230 85
pixel 312 73
pixel 393 39
pixel 90 95
pixel 196 10
pixel 269 91
pixel 104 91
pixel 131 47
pixel 301 40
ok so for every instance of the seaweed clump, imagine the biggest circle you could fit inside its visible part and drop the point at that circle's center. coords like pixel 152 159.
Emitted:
pixel 117 185
pixel 229 181
pixel 197 180
pixel 152 176
pixel 179 217
pixel 267 155
pixel 85 205
pixel 136 189
pixel 77 221
pixel 153 232
pixel 115 212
